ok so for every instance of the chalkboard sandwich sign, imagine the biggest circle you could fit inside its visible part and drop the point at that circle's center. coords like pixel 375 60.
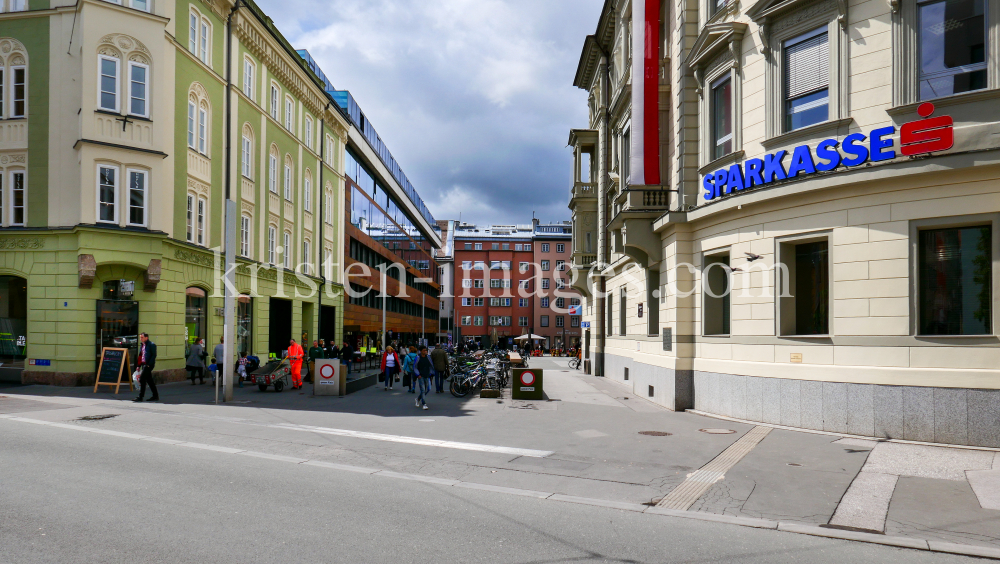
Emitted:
pixel 114 366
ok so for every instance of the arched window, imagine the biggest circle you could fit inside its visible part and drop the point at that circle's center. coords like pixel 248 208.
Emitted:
pixel 246 153
pixel 123 75
pixel 245 231
pixel 198 115
pixel 328 205
pixel 307 192
pixel 272 169
pixel 13 78
pixel 288 177
pixel 200 36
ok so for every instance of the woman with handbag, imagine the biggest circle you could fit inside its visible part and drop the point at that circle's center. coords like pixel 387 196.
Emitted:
pixel 390 366
pixel 196 361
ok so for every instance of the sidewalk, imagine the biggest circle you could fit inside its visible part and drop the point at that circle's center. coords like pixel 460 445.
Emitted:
pixel 602 442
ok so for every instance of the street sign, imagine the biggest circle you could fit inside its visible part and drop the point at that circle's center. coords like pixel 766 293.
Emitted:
pixel 585 324
pixel 527 384
pixel 575 310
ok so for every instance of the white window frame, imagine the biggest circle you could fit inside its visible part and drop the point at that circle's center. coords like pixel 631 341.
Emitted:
pixel 286 250
pixel 194 27
pixel 145 197
pixel 190 217
pixel 249 75
pixel 561 248
pixel 306 250
pixel 114 203
pixel 24 197
pixel 275 101
pixel 192 125
pixel 246 223
pixel 272 178
pixel 466 302
pixel 202 130
pixel 307 192
pixel 288 181
pixel 200 215
pixel 545 247
pixel 289 114
pixel 13 89
pixel 205 41
pixel 131 85
pixel 246 157
pixel 100 76
pixel 272 240
pixel 308 133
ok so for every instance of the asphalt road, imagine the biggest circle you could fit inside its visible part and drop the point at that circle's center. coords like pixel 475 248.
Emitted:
pixel 70 496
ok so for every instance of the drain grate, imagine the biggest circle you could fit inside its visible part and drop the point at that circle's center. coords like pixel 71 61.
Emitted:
pixel 97 417
pixel 655 433
pixel 717 431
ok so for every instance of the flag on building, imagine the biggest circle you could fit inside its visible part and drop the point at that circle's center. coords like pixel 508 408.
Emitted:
pixel 644 165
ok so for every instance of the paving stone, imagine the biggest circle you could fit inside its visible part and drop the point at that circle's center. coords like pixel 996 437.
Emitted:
pixel 986 485
pixel 923 461
pixel 835 407
pixel 860 410
pixel 866 503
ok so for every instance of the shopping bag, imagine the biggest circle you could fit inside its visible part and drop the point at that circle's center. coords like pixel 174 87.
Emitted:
pixel 406 379
pixel 381 376
pixel 135 377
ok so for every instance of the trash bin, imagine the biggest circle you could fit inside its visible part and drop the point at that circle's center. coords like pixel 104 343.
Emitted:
pixel 527 384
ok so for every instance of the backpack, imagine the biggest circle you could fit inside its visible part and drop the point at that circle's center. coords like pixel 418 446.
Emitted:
pixel 408 363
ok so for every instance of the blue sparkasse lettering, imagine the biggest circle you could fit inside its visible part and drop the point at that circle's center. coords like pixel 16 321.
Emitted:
pixel 802 161
pixel 773 170
pixel 709 183
pixel 853 145
pixel 827 150
pixel 721 182
pixel 735 178
pixel 753 168
pixel 878 145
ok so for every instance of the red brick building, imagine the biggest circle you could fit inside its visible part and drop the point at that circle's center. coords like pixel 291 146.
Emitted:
pixel 555 317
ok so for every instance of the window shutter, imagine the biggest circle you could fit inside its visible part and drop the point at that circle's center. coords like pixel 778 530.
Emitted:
pixel 807 66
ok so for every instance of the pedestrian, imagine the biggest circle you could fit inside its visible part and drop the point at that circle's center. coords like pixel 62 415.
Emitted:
pixel 196 361
pixel 440 359
pixel 241 367
pixel 315 352
pixel 409 363
pixel 219 352
pixel 333 351
pixel 424 372
pixel 347 356
pixel 146 364
pixel 295 356
pixel 390 366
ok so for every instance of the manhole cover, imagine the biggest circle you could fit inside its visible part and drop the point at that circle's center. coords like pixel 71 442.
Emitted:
pixel 655 433
pixel 717 431
pixel 97 417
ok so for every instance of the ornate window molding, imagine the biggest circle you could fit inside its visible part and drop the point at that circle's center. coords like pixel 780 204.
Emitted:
pixel 716 53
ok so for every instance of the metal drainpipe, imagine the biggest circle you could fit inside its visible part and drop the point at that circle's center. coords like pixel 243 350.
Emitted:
pixel 322 226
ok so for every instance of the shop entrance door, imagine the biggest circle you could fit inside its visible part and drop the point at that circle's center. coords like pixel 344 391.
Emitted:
pixel 13 327
pixel 280 324
pixel 118 327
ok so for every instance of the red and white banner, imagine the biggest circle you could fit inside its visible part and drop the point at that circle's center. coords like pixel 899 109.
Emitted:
pixel 644 166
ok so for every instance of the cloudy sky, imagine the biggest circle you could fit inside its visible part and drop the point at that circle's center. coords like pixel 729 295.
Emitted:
pixel 473 97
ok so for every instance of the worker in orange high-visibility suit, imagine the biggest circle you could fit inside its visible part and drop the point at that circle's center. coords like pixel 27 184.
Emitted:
pixel 295 356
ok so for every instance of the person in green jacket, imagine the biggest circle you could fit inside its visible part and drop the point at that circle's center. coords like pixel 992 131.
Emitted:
pixel 315 352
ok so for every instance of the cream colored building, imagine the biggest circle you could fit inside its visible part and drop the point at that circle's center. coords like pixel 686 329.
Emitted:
pixel 861 294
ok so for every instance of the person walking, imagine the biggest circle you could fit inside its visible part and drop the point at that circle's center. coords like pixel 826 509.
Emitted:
pixel 347 356
pixel 295 356
pixel 332 351
pixel 315 352
pixel 424 371
pixel 146 364
pixel 409 364
pixel 390 366
pixel 219 352
pixel 440 359
pixel 195 364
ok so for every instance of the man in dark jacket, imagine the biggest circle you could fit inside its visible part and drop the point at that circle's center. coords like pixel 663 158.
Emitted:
pixel 146 363
pixel 347 356
pixel 440 359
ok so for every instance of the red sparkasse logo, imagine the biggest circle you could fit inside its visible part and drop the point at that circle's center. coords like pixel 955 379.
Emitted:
pixel 927 135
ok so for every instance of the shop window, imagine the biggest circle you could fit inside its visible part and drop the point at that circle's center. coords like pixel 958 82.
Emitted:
pixel 244 324
pixel 804 282
pixel 807 79
pixel 955 274
pixel 716 293
pixel 952 47
pixel 195 316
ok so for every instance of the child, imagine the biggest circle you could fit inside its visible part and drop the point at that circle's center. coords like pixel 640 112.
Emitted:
pixel 214 370
pixel 241 368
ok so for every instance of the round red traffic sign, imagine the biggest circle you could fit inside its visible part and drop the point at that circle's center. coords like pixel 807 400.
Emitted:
pixel 326 371
pixel 527 378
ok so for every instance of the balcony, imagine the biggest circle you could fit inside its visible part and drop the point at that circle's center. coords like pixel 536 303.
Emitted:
pixel 583 188
pixel 582 191
pixel 642 199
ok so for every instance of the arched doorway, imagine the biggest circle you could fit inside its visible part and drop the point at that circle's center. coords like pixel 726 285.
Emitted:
pixel 13 326
pixel 195 317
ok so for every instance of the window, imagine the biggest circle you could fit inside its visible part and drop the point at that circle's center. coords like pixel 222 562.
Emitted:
pixel 478 321
pixel 545 247
pixel 305 257
pixel 499 302
pixel 245 236
pixel 17 198
pixel 204 49
pixel 506 246
pixel 715 5
pixel 479 246
pixel 545 265
pixel 722 117
pixel 466 265
pixel 198 36
pixel 307 192
pixel 289 113
pixel 190 218
pixel 522 321
pixel 288 178
pixel 249 70
pixel 545 302
pixel 544 321
pixel 246 156
pixel 192 123
pixel 574 321
pixel 137 183
pixel 107 191
pixel 466 302
pixel 952 47
pixel 807 79
pixel 477 302
pixel 523 284
pixel 560 248
pixel 561 303
pixel 18 110
pixel 560 265
pixel 478 283
pixel 623 300
pixel 954 281
pixel 328 212
pixel 518 247
pixel 479 265
pixel 108 99
pixel 137 4
pixel 468 246
pixel 545 283
pixel 522 302
pixel 271 236
pixel 499 283
pixel 496 246
pixel 137 89
pixel 804 301
pixel 466 320
pixel 560 321
pixel 286 249
pixel 523 266
pixel 610 307
pixel 272 170
pixel 202 128
pixel 505 264
pixel 193 21
pixel 587 246
pixel 527 247
pixel 309 132
pixel 716 291
pixel 495 265
pixel 275 96
pixel 202 210
pixel 466 283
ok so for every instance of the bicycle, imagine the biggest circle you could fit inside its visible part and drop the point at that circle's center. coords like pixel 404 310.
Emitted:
pixel 574 363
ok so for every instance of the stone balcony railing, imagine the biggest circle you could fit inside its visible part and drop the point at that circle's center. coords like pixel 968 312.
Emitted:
pixel 581 190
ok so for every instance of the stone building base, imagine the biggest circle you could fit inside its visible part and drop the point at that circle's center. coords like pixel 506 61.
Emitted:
pixel 673 389
pixel 69 379
pixel 956 416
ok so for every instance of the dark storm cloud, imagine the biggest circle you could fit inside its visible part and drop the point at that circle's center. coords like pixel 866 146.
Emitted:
pixel 473 97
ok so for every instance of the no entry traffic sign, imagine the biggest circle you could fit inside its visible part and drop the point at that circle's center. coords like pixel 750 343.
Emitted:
pixel 527 384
